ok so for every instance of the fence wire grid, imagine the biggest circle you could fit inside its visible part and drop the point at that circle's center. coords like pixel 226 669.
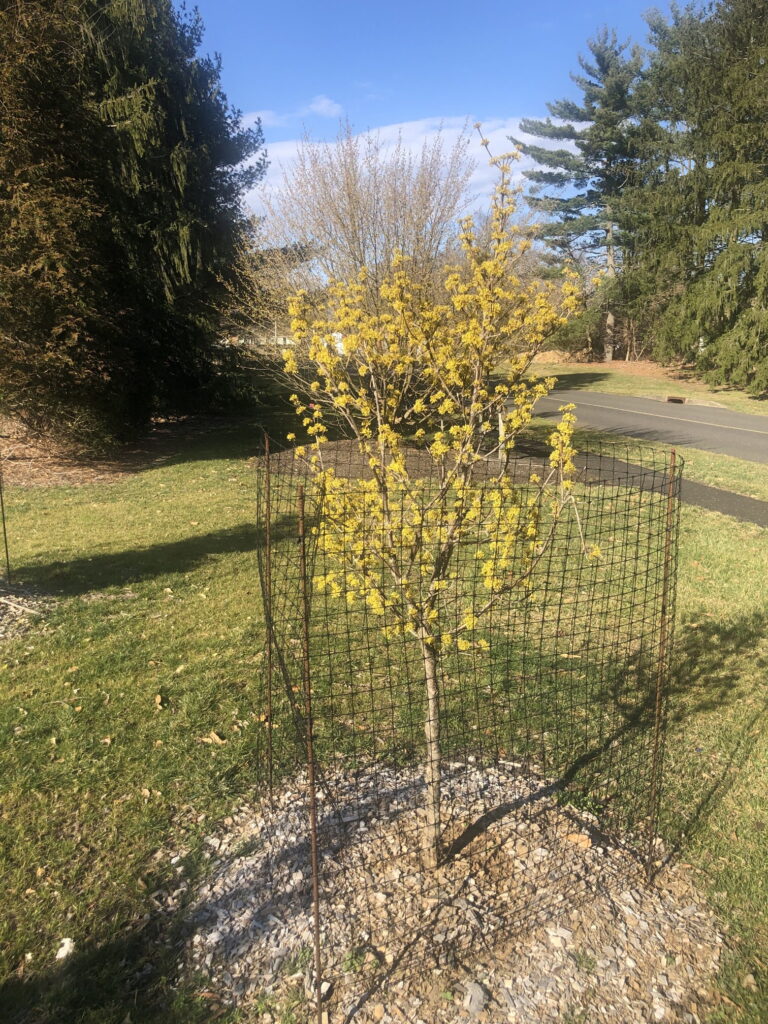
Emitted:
pixel 545 777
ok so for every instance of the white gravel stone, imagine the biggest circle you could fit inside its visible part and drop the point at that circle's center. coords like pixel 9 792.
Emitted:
pixel 515 937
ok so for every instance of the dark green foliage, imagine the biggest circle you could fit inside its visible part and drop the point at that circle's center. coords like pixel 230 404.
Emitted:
pixel 120 182
pixel 579 188
pixel 696 209
pixel 700 208
pixel 666 183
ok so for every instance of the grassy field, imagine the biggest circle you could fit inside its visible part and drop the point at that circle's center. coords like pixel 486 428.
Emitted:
pixel 130 724
pixel 620 378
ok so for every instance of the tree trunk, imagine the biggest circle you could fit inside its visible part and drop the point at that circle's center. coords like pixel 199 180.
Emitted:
pixel 611 269
pixel 610 323
pixel 431 843
pixel 610 249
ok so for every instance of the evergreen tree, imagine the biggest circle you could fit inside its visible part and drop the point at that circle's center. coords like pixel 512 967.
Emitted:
pixel 701 206
pixel 121 170
pixel 578 185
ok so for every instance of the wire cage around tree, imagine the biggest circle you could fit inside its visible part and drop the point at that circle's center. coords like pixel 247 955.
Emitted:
pixel 547 727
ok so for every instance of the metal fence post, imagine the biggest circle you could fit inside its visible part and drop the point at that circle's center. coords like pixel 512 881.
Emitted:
pixel 5 530
pixel 662 668
pixel 309 736
pixel 268 605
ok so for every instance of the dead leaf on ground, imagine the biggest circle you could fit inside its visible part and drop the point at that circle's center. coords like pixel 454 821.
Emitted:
pixel 213 737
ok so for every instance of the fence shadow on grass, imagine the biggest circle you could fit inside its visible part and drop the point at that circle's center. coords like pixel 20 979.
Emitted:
pixel 707 679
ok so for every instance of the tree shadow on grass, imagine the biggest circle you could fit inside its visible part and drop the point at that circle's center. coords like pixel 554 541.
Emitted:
pixel 79 576
pixel 124 981
pixel 208 439
pixel 576 380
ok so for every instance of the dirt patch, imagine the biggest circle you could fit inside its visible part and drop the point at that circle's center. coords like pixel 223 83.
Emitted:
pixel 634 368
pixel 553 355
pixel 30 460
pixel 21 610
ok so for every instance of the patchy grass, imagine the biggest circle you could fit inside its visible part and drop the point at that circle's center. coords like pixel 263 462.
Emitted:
pixel 155 645
pixel 151 648
pixel 619 378
pixel 726 472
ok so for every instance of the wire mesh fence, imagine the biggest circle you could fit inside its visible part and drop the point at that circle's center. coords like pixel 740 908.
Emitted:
pixel 437 777
pixel 5 551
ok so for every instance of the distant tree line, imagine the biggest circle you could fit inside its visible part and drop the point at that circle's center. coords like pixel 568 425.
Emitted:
pixel 126 256
pixel 659 177
pixel 122 168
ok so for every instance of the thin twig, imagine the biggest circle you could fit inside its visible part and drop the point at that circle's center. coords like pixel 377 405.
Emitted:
pixel 19 607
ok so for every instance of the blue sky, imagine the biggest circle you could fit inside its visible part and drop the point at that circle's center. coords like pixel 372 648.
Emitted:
pixel 401 67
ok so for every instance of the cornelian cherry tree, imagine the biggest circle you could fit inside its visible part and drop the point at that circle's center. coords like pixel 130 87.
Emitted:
pixel 451 377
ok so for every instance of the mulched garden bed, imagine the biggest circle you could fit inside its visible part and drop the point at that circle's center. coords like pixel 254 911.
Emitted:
pixel 540 919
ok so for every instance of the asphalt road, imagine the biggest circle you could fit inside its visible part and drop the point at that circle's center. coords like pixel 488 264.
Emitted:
pixel 697 426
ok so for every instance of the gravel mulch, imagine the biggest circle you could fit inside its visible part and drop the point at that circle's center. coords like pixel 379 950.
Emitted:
pixel 539 918
pixel 21 611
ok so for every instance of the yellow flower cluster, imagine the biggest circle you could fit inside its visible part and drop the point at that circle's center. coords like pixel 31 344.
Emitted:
pixel 395 364
pixel 561 441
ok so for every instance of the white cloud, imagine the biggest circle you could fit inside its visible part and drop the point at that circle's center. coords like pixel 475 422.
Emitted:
pixel 268 118
pixel 320 106
pixel 323 106
pixel 413 135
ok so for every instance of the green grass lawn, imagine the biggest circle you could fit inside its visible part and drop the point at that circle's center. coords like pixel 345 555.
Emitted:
pixel 154 646
pixel 614 378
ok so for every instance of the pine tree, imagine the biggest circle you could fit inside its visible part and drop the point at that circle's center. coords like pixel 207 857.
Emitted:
pixel 120 179
pixel 704 191
pixel 50 218
pixel 577 185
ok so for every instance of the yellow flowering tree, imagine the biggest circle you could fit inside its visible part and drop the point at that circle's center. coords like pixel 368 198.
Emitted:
pixel 408 368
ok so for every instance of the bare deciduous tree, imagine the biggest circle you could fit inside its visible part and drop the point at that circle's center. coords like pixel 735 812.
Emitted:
pixel 358 201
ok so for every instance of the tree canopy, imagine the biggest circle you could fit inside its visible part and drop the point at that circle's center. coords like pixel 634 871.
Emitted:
pixel 577 184
pixel 121 171
pixel 703 191
pixel 356 202
pixel 664 179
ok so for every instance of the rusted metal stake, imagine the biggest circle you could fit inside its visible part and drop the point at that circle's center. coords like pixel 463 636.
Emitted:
pixel 268 605
pixel 5 530
pixel 661 671
pixel 309 734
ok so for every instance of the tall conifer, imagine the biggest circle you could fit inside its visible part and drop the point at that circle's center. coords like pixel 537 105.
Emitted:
pixel 701 206
pixel 577 185
pixel 121 170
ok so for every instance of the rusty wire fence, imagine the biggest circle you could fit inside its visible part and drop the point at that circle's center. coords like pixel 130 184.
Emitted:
pixel 525 753
pixel 5 555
